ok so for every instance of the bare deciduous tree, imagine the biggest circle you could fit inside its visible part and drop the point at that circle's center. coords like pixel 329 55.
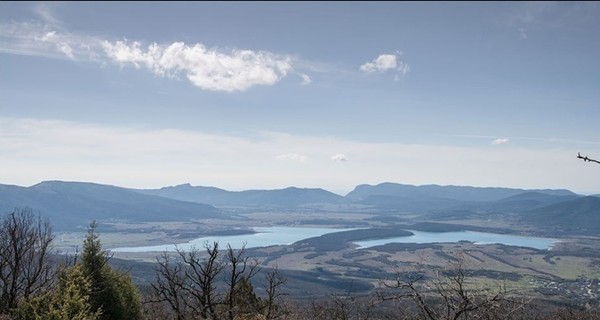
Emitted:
pixel 448 296
pixel 169 284
pixel 201 285
pixel 190 284
pixel 240 268
pixel 187 282
pixel 274 280
pixel 25 269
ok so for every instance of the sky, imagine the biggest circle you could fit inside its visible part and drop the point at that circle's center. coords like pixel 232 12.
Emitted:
pixel 260 95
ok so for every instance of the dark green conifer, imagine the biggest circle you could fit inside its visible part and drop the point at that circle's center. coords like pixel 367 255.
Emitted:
pixel 112 292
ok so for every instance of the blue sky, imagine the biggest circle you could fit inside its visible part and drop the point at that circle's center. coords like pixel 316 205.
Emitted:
pixel 268 95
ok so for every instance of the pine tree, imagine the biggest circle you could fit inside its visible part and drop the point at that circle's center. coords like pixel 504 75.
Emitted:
pixel 112 292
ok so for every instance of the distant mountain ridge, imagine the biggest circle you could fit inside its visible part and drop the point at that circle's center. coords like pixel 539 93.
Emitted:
pixel 288 197
pixel 461 193
pixel 69 204
pixel 384 197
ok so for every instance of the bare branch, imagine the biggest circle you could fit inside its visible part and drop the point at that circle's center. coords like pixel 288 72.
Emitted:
pixel 25 269
pixel 274 281
pixel 586 159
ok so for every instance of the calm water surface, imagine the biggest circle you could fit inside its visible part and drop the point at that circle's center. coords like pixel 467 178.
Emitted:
pixel 263 237
pixel 270 236
pixel 472 236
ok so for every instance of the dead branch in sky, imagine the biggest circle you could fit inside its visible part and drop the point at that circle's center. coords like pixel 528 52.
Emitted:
pixel 586 159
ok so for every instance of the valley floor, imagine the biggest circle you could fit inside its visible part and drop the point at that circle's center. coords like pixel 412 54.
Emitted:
pixel 568 272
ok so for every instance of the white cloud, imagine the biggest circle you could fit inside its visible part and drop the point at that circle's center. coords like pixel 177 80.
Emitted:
pixel 305 79
pixel 500 141
pixel 292 157
pixel 382 63
pixel 340 157
pixel 385 63
pixel 209 69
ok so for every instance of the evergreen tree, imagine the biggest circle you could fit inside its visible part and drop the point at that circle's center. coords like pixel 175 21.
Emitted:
pixel 70 300
pixel 245 300
pixel 112 292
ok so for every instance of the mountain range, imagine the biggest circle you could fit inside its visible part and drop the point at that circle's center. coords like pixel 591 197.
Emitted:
pixel 70 204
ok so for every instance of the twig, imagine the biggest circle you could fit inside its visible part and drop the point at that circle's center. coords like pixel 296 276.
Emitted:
pixel 586 159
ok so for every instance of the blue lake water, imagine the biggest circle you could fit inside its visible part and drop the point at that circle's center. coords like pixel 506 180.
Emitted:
pixel 471 236
pixel 270 236
pixel 263 237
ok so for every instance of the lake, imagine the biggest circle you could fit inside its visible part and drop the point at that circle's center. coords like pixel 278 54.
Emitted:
pixel 269 236
pixel 471 236
pixel 264 237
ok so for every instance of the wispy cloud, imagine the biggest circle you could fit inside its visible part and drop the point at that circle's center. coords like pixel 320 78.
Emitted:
pixel 206 68
pixel 43 40
pixel 305 79
pixel 552 140
pixel 532 17
pixel 62 45
pixel 387 62
pixel 292 157
pixel 500 141
pixel 523 33
pixel 44 12
pixel 340 157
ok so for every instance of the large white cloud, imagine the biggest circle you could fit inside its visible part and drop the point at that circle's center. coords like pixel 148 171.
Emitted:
pixel 210 69
pixel 207 68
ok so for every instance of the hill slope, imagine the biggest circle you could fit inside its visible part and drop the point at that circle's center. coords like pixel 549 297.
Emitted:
pixel 69 204
pixel 528 201
pixel 580 215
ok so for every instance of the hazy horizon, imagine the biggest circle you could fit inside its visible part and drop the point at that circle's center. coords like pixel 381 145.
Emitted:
pixel 314 95
pixel 342 193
